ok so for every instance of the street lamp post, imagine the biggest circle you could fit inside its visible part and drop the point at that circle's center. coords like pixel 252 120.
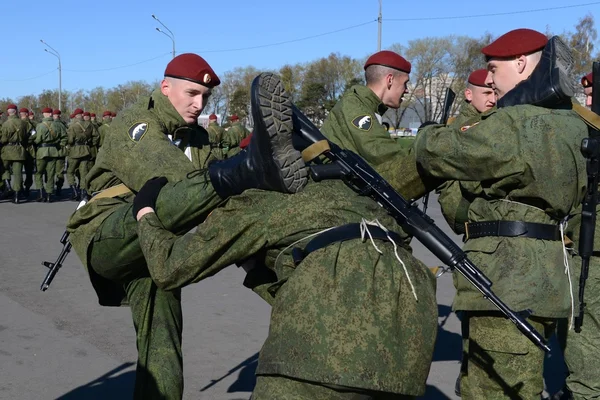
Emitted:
pixel 57 55
pixel 170 35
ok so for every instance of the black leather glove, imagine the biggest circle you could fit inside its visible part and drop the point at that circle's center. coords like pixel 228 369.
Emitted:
pixel 148 194
pixel 427 123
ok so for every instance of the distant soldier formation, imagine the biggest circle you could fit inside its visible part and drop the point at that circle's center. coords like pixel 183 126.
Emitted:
pixel 45 150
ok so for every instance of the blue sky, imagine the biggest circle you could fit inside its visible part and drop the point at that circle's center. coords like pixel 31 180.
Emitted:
pixel 95 41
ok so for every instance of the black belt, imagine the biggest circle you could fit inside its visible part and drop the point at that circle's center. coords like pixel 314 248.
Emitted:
pixel 512 229
pixel 340 234
pixel 48 145
pixel 13 144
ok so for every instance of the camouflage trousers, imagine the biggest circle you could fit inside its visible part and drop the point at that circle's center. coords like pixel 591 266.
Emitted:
pixel 274 387
pixel 115 254
pixel 47 166
pixel 17 171
pixel 498 361
pixel 582 353
pixel 81 165
pixel 60 173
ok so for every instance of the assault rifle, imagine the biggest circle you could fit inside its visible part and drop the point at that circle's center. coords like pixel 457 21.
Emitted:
pixel 448 100
pixel 56 265
pixel 363 179
pixel 590 148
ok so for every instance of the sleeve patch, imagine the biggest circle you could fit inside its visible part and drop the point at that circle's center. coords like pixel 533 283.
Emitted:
pixel 137 131
pixel 363 122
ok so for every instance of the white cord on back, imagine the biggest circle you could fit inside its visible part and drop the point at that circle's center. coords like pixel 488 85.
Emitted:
pixel 563 226
pixel 364 228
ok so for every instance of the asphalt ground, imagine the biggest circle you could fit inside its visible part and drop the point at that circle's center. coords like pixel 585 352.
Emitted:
pixel 61 344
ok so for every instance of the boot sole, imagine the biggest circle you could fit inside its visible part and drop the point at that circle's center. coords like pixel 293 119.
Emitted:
pixel 564 62
pixel 276 111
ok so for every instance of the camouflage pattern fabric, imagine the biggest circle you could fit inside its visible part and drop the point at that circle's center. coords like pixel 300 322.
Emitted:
pixel 14 139
pixel 345 316
pixel 215 137
pixel 46 134
pixel 232 138
pixel 79 137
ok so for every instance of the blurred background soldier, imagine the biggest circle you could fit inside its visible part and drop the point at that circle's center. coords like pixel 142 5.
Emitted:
pixel 215 137
pixel 233 136
pixel 79 135
pixel 47 139
pixel 27 117
pixel 586 82
pixel 95 141
pixel 13 140
pixel 479 97
pixel 62 152
pixel 104 127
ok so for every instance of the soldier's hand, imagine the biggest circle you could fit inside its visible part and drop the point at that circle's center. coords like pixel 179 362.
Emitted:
pixel 147 196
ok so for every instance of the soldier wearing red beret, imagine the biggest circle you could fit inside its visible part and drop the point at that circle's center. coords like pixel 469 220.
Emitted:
pixel 479 97
pixel 104 126
pixel 27 117
pixel 160 136
pixel 215 136
pixel 79 139
pixel 95 141
pixel 13 137
pixel 47 140
pixel 356 120
pixel 233 137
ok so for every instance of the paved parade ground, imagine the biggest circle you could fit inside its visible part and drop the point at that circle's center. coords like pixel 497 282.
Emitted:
pixel 61 344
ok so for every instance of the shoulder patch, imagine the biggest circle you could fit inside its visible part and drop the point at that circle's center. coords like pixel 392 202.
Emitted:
pixel 137 131
pixel 363 122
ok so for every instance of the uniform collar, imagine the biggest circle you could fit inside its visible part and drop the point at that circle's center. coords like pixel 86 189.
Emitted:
pixel 167 114
pixel 370 99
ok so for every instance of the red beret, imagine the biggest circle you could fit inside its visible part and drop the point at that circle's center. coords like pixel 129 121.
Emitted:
pixel 515 43
pixel 193 68
pixel 106 114
pixel 212 117
pixel 47 110
pixel 389 59
pixel 11 107
pixel 77 111
pixel 246 141
pixel 234 118
pixel 113 114
pixel 477 77
pixel 30 112
pixel 86 114
pixel 56 112
pixel 72 116
pixel 23 110
pixel 586 81
pixel 92 114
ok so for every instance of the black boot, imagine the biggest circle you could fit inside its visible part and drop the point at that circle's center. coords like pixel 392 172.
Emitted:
pixel 41 196
pixel 75 195
pixel 16 198
pixel 48 198
pixel 7 192
pixel 270 161
pixel 549 84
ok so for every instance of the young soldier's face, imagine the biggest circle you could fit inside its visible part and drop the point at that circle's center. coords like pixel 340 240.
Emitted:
pixel 398 86
pixel 503 75
pixel 188 98
pixel 588 96
pixel 482 98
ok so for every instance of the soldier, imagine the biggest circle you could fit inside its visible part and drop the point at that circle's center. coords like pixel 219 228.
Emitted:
pixel 355 121
pixel 47 139
pixel 215 136
pixel 348 322
pixel 62 151
pixel 233 136
pixel 95 142
pixel 113 115
pixel 528 160
pixel 479 97
pixel 79 136
pixel 13 139
pixel 94 121
pixel 160 135
pixel 27 117
pixel 105 127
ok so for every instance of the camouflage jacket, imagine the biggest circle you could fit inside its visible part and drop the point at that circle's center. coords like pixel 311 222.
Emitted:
pixel 14 139
pixel 79 137
pixel 528 161
pixel 234 135
pixel 47 132
pixel 345 315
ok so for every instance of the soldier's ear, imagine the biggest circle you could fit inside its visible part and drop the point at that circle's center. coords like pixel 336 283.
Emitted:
pixel 468 94
pixel 521 63
pixel 165 87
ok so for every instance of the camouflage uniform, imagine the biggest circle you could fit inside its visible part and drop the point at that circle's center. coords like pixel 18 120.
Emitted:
pixel 215 136
pixel 344 320
pixel 14 139
pixel 147 140
pixel 79 138
pixel 62 154
pixel 522 155
pixel 30 152
pixel 103 130
pixel 47 140
pixel 232 138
